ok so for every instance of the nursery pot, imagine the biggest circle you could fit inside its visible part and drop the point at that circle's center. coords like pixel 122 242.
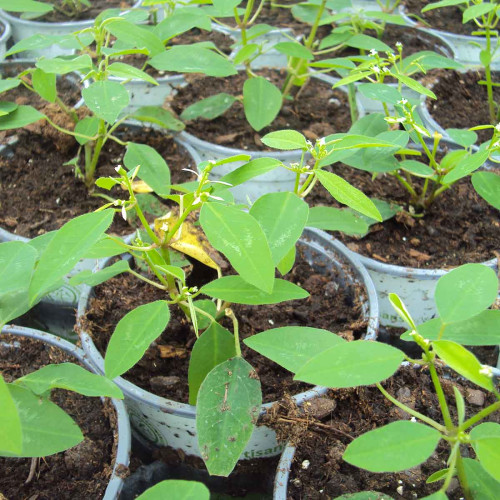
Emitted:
pixel 22 28
pixel 165 422
pixel 278 179
pixel 414 286
pixel 283 473
pixel 122 425
pixel 4 37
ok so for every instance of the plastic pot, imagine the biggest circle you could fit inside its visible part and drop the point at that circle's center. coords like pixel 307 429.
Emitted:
pixel 279 179
pixel 466 48
pixel 283 473
pixel 5 26
pixel 414 286
pixel 165 422
pixel 123 425
pixel 22 28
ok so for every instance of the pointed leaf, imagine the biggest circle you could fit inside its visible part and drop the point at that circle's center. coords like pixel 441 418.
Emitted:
pixel 487 185
pixel 249 170
pixel 486 443
pixel 209 108
pixel 261 101
pixel 214 346
pixel 393 447
pixel 227 409
pixel 482 485
pixel 159 116
pixel 10 425
pixel 466 166
pixel 178 489
pixel 133 335
pixel 106 99
pixel 286 140
pixel 240 238
pixel 87 127
pixel 44 84
pixel 62 66
pixel 336 219
pixel 20 117
pixel 127 72
pixel 94 279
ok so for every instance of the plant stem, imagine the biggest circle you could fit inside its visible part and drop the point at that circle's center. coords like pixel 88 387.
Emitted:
pixel 90 166
pixel 462 477
pixel 230 314
pixel 479 416
pixel 441 397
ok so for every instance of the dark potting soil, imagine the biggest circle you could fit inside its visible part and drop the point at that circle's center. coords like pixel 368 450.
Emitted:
pixel 443 19
pixel 462 102
pixel 459 227
pixel 317 112
pixel 322 431
pixel 97 6
pixel 40 193
pixel 79 473
pixel 163 369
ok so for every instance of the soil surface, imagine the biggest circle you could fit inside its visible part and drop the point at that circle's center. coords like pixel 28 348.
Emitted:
pixel 468 233
pixel 317 112
pixel 164 368
pixel 324 428
pixel 79 473
pixel 33 204
pixel 86 13
pixel 462 102
pixel 443 19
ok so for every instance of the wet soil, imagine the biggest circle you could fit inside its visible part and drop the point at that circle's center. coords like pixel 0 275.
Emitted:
pixel 40 193
pixel 443 19
pixel 79 473
pixel 97 6
pixel 324 428
pixel 470 232
pixel 328 307
pixel 317 112
pixel 461 102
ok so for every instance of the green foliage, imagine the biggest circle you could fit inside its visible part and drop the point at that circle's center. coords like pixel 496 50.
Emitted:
pixel 178 489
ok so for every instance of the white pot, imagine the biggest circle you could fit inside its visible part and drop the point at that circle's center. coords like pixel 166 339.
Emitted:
pixel 123 438
pixel 278 179
pixel 465 47
pixel 4 37
pixel 164 422
pixel 22 29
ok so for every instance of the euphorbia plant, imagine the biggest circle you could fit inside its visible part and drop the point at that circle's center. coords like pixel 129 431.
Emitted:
pixel 462 297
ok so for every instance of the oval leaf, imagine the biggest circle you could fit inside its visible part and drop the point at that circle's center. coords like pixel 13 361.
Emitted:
pixel 106 99
pixel 261 102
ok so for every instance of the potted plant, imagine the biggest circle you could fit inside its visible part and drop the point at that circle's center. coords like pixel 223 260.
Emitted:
pixel 34 426
pixel 463 297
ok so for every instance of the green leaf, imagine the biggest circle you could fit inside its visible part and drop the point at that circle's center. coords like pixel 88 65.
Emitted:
pixel 153 169
pixel 44 84
pixel 139 36
pixel 207 306
pixel 236 289
pixel 336 219
pixel 476 11
pixel 352 364
pixel 261 102
pixel 439 495
pixel 181 21
pixel 188 59
pixel 22 116
pixel 88 127
pixel 294 49
pixel 176 272
pixel 344 193
pixel 285 140
pixel 94 279
pixel 366 42
pixel 464 137
pixel 465 292
pixel 287 262
pixel 252 169
pixel 227 409
pixel 482 486
pixel 482 329
pixel 17 262
pixel 442 3
pixel 245 53
pixel 437 476
pixel 460 404
pixel 62 66
pixel 10 425
pixel 46 429
pixel 283 217
pixel 486 443
pixel 380 92
pixel 214 346
pixel 365 495
pixel 104 247
pixel 416 86
pixel 209 108
pixel 178 489
pixel 70 377
pixel 401 309
pixel 466 166
pixel 416 168
pixel 9 83
pixel 393 447
pixel 241 239
pixel 67 247
pixel 487 185
pixel 159 116
pixel 293 346
pixel 463 362
pixel 133 335
pixel 106 99
pixel 127 72
pixel 25 6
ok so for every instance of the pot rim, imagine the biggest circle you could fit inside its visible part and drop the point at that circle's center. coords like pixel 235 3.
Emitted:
pixel 84 23
pixel 189 411
pixel 123 447
pixel 7 30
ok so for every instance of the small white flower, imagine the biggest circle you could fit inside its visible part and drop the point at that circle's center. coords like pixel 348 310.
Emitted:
pixel 164 227
pixel 399 44
pixel 321 142
pixel 486 370
pixel 117 168
pixel 413 419
pixel 497 127
pixel 373 52
pixel 376 69
pixel 403 101
pixel 124 212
